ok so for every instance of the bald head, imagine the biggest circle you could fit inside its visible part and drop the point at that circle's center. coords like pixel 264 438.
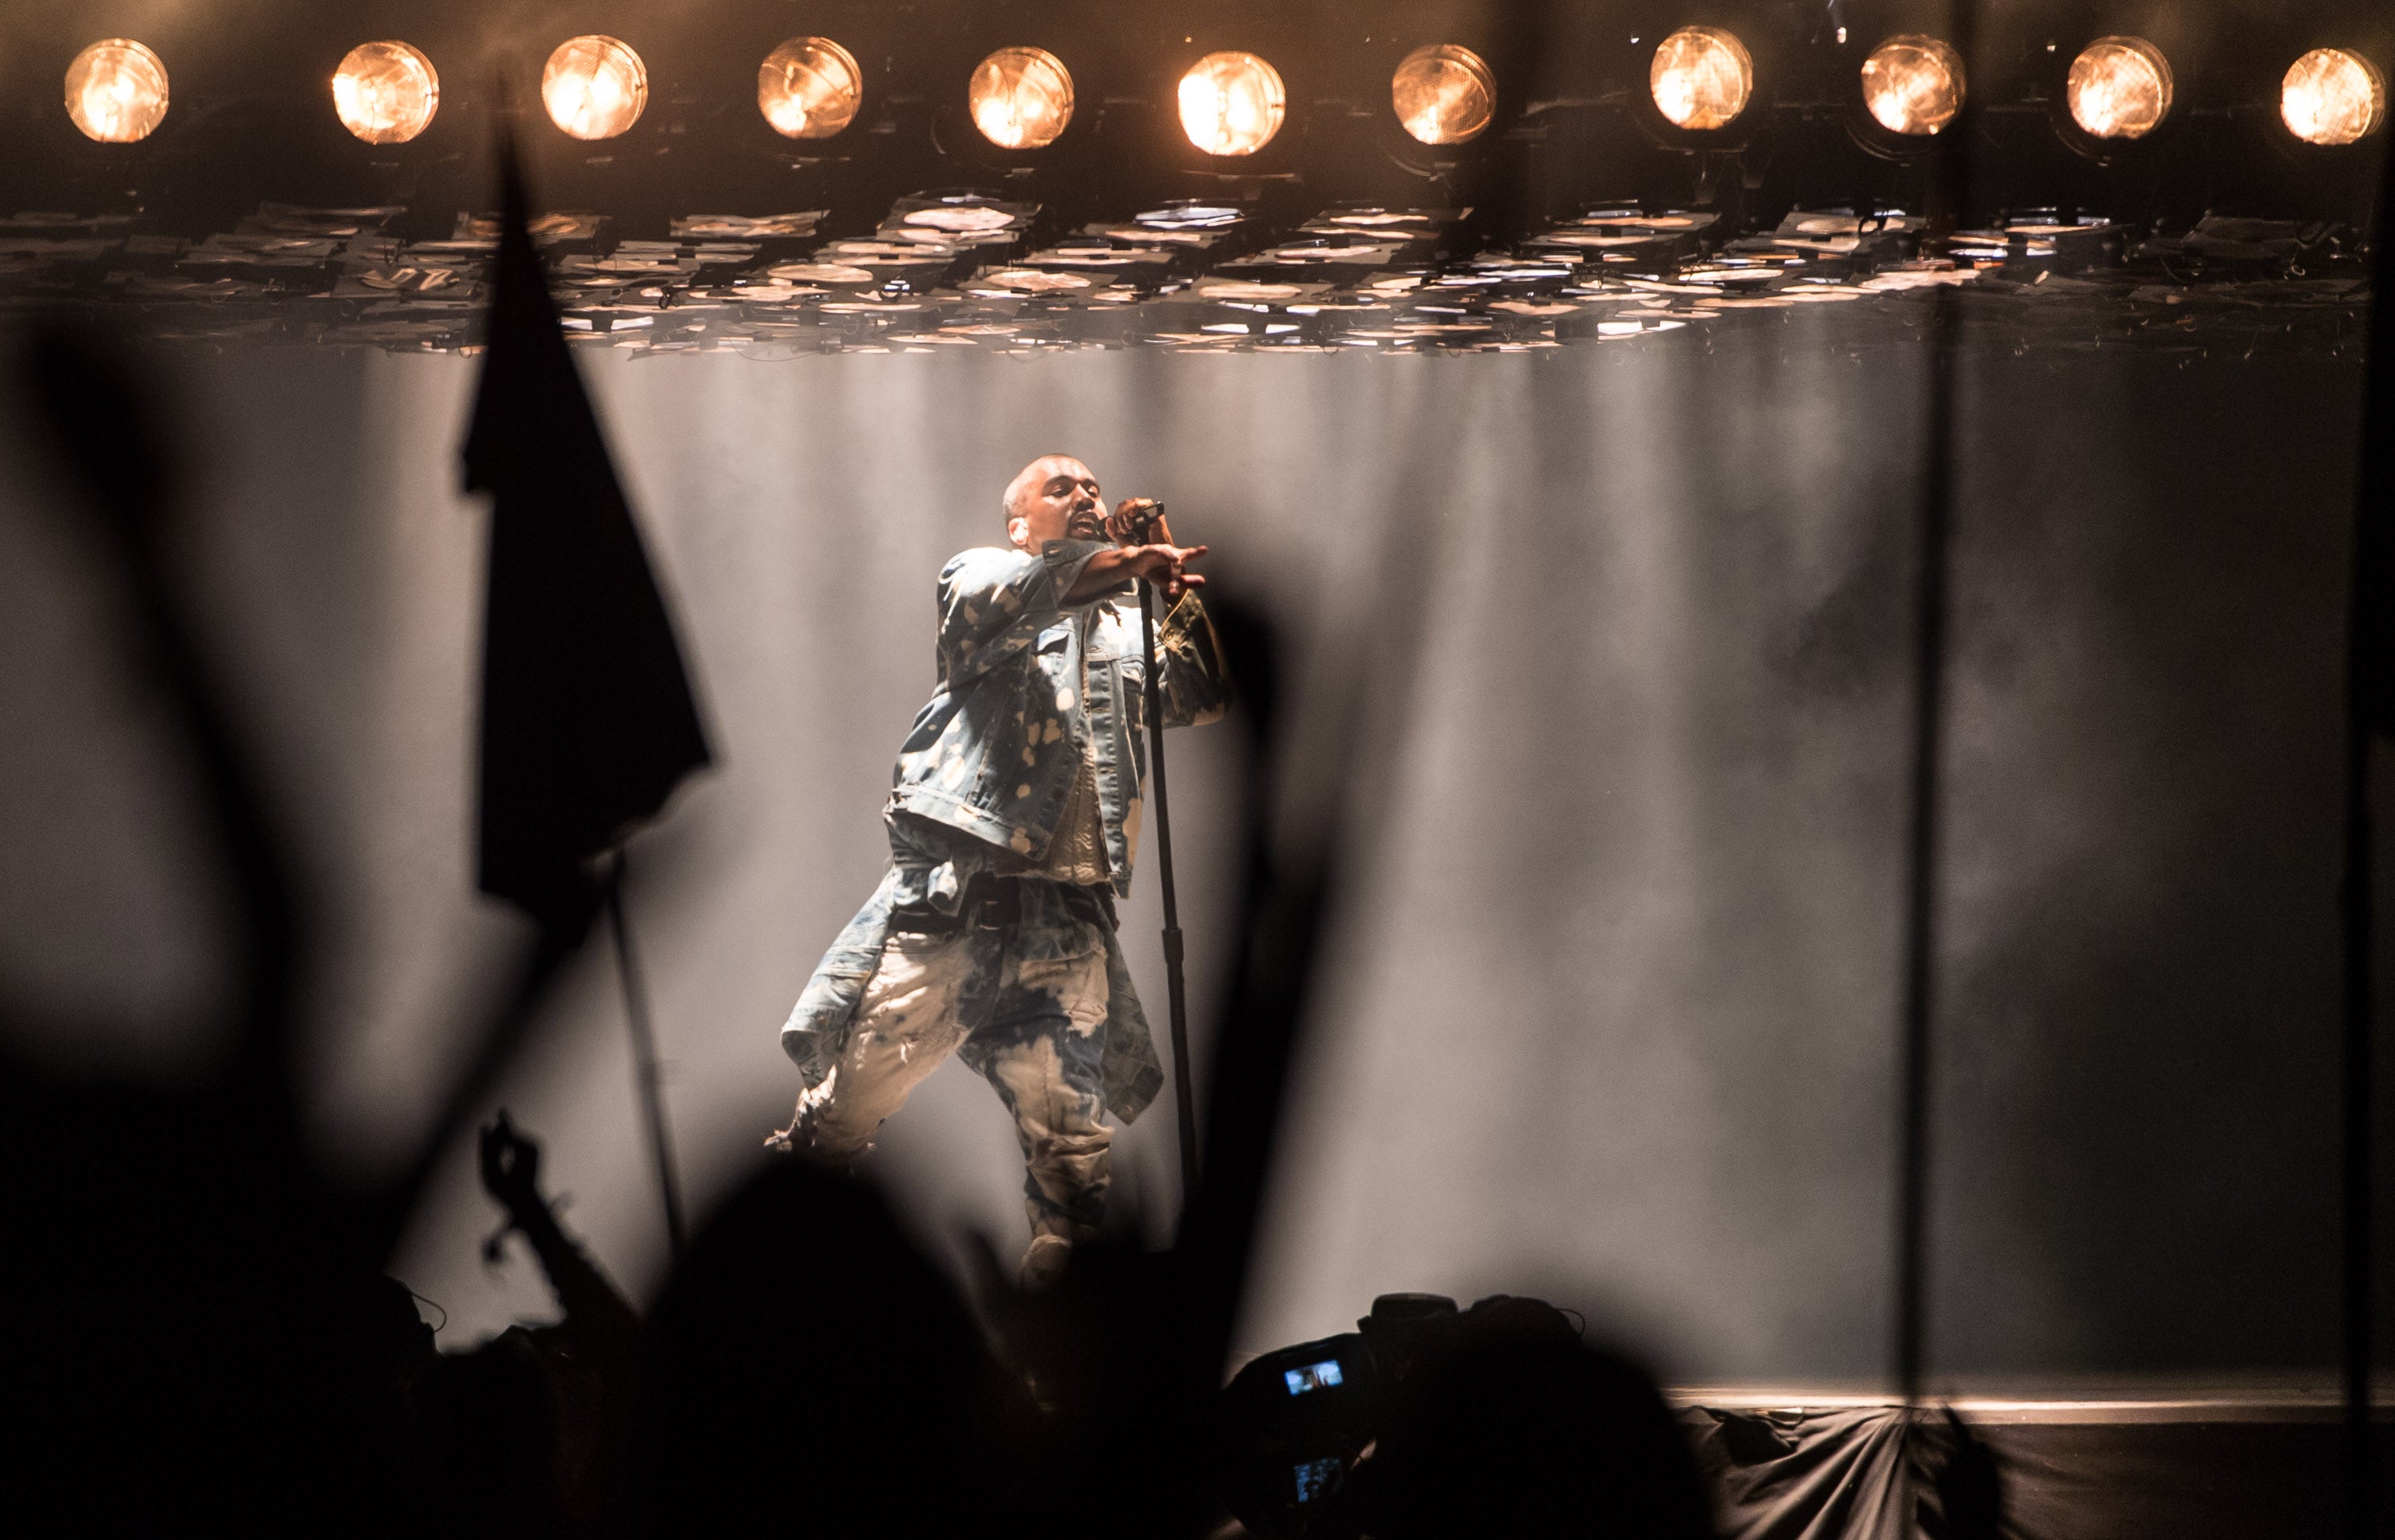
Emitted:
pixel 1054 497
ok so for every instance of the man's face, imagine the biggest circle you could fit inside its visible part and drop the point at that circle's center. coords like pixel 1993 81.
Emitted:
pixel 1057 500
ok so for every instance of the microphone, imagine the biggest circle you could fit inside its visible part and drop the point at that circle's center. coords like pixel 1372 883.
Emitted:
pixel 1146 520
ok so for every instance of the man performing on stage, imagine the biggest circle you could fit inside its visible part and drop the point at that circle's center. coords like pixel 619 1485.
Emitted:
pixel 1014 820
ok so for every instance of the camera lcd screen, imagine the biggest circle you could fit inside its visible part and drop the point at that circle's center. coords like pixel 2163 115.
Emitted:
pixel 1314 1376
pixel 1318 1477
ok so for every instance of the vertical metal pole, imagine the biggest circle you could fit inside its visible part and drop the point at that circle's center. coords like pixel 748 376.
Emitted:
pixel 2367 697
pixel 645 1067
pixel 1176 993
pixel 1921 870
pixel 2358 1497
pixel 1916 1082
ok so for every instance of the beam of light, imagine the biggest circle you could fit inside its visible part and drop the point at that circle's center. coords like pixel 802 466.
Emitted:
pixel 2119 87
pixel 1232 103
pixel 386 93
pixel 1444 94
pixel 594 88
pixel 2332 95
pixel 1021 98
pixel 810 87
pixel 116 91
pixel 1913 84
pixel 1702 77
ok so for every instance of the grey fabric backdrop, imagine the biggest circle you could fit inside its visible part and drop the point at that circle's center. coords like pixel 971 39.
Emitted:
pixel 1614 1010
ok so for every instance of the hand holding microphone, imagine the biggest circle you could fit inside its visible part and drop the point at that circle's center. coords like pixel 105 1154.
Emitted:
pixel 1138 521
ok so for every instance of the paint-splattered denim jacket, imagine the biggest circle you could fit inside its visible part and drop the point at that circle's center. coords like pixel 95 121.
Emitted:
pixel 1027 686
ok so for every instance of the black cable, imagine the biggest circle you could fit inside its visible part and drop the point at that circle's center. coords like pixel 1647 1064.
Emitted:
pixel 440 1325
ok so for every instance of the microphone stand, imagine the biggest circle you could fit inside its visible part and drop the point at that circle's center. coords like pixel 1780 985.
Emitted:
pixel 1174 988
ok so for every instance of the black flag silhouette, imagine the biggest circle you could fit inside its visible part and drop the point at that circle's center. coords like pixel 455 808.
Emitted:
pixel 588 718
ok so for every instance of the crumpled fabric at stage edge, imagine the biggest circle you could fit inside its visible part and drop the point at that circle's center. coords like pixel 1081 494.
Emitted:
pixel 1830 1475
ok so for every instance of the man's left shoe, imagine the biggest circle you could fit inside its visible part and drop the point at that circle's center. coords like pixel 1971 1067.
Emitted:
pixel 1044 1262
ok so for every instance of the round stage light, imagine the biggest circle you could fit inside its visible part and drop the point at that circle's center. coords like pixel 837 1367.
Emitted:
pixel 810 87
pixel 1232 103
pixel 1913 85
pixel 2332 95
pixel 594 88
pixel 386 93
pixel 1444 94
pixel 1702 78
pixel 2119 87
pixel 116 91
pixel 1021 98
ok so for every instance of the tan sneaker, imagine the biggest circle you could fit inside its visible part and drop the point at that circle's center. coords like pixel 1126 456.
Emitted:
pixel 1044 1262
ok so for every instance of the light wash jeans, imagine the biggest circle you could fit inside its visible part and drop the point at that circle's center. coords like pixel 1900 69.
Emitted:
pixel 1024 1006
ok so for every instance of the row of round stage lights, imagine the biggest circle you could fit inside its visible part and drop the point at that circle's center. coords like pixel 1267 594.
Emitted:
pixel 2118 88
pixel 596 88
pixel 1232 103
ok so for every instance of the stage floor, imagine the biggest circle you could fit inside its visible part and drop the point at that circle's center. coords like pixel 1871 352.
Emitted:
pixel 2106 1400
pixel 2109 1459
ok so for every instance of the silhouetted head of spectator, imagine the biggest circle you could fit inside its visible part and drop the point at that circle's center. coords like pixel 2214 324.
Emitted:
pixel 811 1370
pixel 486 1441
pixel 1524 1431
pixel 398 1333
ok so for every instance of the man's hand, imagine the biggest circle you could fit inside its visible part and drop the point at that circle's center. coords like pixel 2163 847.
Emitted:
pixel 1143 550
pixel 511 1169
pixel 1162 565
pixel 1138 521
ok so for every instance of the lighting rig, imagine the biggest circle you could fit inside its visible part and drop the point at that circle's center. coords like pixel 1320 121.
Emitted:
pixel 1496 172
pixel 1233 102
pixel 1243 97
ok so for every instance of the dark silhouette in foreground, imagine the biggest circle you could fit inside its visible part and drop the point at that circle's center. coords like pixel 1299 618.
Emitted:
pixel 200 1338
pixel 808 1366
pixel 1522 1428
pixel 531 1433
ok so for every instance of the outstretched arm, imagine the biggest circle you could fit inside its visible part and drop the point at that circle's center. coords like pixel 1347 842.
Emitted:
pixel 1142 551
pixel 1161 565
pixel 512 1175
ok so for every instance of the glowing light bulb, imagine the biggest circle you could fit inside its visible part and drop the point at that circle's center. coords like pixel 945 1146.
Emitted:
pixel 386 93
pixel 1444 94
pixel 116 91
pixel 1913 84
pixel 2119 87
pixel 810 87
pixel 1232 103
pixel 2332 95
pixel 1702 78
pixel 594 88
pixel 1021 98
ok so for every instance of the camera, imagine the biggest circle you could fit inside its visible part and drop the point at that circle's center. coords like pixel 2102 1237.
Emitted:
pixel 1297 1428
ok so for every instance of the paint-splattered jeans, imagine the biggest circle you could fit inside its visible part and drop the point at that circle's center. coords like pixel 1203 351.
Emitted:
pixel 1024 1005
